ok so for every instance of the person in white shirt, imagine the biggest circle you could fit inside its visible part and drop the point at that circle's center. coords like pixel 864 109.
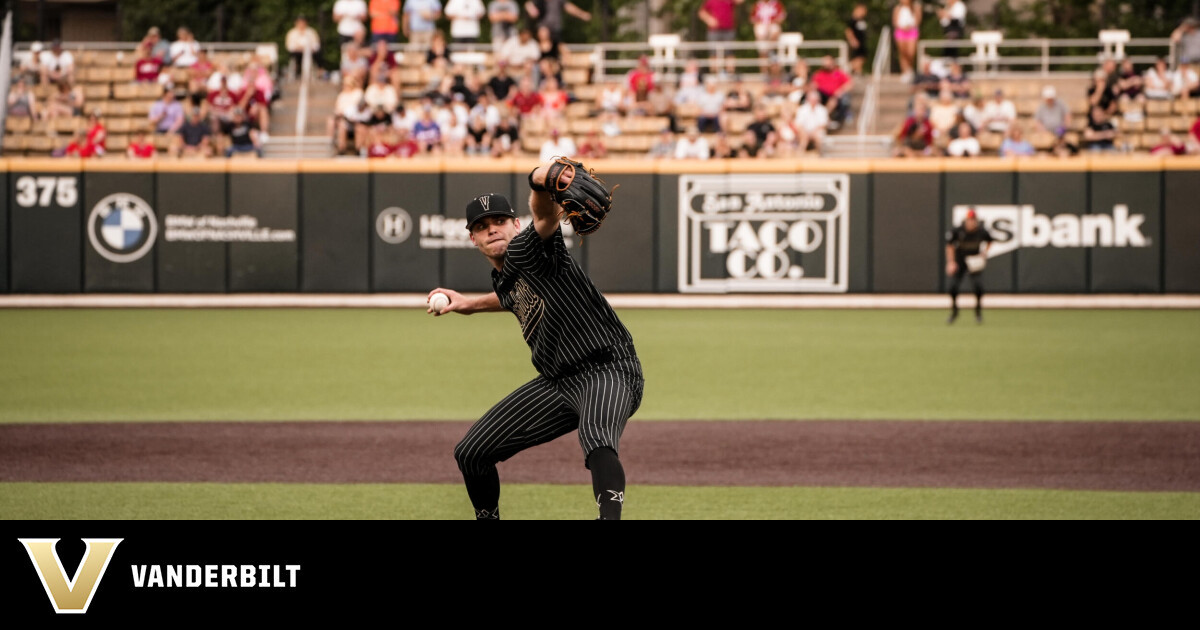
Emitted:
pixel 184 49
pixel 351 17
pixel 999 113
pixel 1157 81
pixel 556 146
pixel 520 51
pixel 381 94
pixel 464 18
pixel 810 122
pixel 503 15
pixel 300 38
pixel 692 147
pixel 57 64
pixel 966 144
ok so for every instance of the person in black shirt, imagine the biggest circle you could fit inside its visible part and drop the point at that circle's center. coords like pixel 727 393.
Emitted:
pixel 856 36
pixel 1100 131
pixel 966 253
pixel 243 137
pixel 589 379
pixel 501 83
pixel 764 132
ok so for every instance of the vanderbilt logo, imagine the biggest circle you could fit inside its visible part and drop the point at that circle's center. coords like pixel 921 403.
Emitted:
pixel 485 201
pixel 528 307
pixel 75 595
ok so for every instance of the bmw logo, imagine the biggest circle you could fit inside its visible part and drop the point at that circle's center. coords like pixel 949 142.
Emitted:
pixel 122 227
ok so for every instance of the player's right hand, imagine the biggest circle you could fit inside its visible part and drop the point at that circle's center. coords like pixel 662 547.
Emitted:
pixel 458 303
pixel 951 269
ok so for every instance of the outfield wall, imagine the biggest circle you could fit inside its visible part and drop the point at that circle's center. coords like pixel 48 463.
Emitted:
pixel 1099 225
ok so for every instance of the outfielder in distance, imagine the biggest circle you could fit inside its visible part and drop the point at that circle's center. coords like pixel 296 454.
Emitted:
pixel 589 378
pixel 966 253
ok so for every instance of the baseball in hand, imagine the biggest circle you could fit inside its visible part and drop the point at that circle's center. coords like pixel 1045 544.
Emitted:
pixel 438 302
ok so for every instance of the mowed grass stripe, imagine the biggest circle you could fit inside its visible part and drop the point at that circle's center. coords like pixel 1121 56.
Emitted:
pixel 116 365
pixel 133 501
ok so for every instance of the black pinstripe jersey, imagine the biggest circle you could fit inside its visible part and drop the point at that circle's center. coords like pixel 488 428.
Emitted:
pixel 565 320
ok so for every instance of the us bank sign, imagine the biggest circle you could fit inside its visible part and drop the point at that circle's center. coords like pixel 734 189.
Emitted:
pixel 764 233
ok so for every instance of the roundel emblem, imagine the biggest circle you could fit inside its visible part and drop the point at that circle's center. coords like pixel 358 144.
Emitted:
pixel 122 227
pixel 394 225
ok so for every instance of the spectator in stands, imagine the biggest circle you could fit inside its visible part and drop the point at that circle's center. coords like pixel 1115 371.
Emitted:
pixel 712 107
pixel 809 122
pixel 549 13
pixel 385 21
pixel 1194 140
pixel 693 146
pixel 551 54
pixel 66 101
pixel 438 55
pixel 954 24
pixel 1052 115
pixel 1187 41
pixel 1100 133
pixel 688 91
pixel 557 145
pixel 378 145
pixel 1186 82
pixel 906 29
pixel 721 149
pixel 31 66
pixel 166 114
pixel 478 141
pixel 856 37
pixel 660 105
pixel 593 146
pixel 957 82
pixel 965 144
pixel 486 109
pixel 1015 143
pixel 765 134
pixel 405 146
pixel 640 80
pixel 521 52
pixel 749 147
pixel 219 106
pixel 1168 144
pixel 57 64
pixel 426 131
pixel 1064 147
pixel 21 101
pixel 999 113
pixel 525 101
pixel 194 138
pixel 501 84
pixel 777 83
pixel 381 94
pixel 506 137
pixel 243 137
pixel 146 67
pixel 301 38
pixel 382 63
pixel 612 98
pixel 351 19
pixel 159 47
pixel 1156 82
pixel 610 124
pixel 257 106
pixel 97 134
pixel 664 145
pixel 943 114
pixel 354 63
pixel 185 49
pixel 1102 93
pixel 721 18
pixel 738 98
pixel 927 81
pixel 199 74
pixel 767 17
pixel 972 112
pixel 341 123
pixel 1129 82
pixel 835 87
pixel 553 99
pixel 798 78
pixel 464 16
pixel 79 147
pixel 503 16
pixel 420 21
pixel 139 148
pixel 915 137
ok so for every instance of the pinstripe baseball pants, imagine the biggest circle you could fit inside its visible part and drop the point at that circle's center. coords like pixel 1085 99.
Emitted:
pixel 598 401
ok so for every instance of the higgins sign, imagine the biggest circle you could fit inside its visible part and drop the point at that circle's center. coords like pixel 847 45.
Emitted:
pixel 785 233
pixel 1022 226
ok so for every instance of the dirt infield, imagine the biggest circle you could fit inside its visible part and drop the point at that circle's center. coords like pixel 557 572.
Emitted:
pixel 1140 456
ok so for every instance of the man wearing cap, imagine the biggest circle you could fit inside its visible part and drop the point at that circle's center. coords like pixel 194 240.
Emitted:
pixel 966 253
pixel 589 378
pixel 1052 115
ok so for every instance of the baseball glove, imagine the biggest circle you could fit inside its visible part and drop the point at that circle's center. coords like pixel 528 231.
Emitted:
pixel 584 198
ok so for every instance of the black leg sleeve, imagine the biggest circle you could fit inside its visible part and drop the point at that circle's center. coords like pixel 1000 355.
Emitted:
pixel 608 482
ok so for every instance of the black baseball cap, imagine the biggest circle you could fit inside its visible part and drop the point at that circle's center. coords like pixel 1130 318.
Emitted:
pixel 488 205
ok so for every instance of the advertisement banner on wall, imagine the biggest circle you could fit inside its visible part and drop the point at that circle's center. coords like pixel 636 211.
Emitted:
pixel 764 233
pixel 121 228
pixel 46 232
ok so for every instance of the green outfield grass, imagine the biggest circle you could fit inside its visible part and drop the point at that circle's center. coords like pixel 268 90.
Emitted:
pixel 109 365
pixel 131 501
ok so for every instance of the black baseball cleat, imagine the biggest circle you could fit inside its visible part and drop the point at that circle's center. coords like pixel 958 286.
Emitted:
pixel 953 316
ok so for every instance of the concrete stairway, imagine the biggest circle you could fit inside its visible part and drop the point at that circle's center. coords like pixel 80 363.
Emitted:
pixel 315 142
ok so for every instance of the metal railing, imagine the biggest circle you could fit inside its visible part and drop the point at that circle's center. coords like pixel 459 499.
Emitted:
pixel 612 61
pixel 260 49
pixel 881 65
pixel 1045 56
pixel 302 100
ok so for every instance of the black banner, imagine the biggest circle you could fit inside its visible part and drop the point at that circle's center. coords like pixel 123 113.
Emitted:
pixel 334 212
pixel 907 232
pixel 121 229
pixel 860 233
pixel 262 229
pixel 667 248
pixel 46 232
pixel 188 260
pixel 1181 260
pixel 620 256
pixel 1124 231
pixel 407 230
pixel 1046 263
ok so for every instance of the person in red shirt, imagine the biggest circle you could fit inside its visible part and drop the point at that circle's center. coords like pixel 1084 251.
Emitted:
pixel 256 105
pixel 378 147
pixel 719 16
pixel 525 100
pixel 97 135
pixel 553 99
pixel 79 147
pixel 593 146
pixel 139 148
pixel 147 66
pixel 834 85
pixel 916 134
pixel 198 81
pixel 405 146
pixel 1196 130
pixel 767 17
pixel 1168 144
pixel 641 79
pixel 219 107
